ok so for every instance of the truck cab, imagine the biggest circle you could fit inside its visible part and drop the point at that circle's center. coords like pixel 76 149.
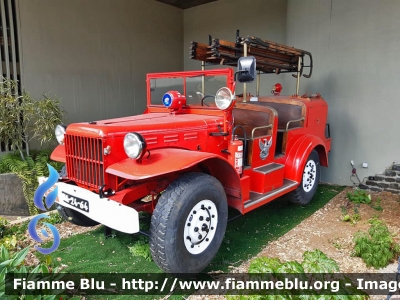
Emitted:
pixel 198 149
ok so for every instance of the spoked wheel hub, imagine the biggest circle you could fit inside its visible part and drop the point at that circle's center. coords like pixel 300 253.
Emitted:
pixel 309 175
pixel 200 226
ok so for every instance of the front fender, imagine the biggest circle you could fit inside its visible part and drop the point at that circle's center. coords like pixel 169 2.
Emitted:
pixel 159 162
pixel 299 153
pixel 58 154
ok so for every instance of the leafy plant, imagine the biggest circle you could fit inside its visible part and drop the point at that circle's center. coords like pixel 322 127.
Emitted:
pixel 141 248
pixel 16 229
pixel 359 196
pixel 28 170
pixel 377 204
pixel 15 265
pixel 23 119
pixel 55 218
pixel 9 242
pixel 264 265
pixel 352 218
pixel 315 265
pixel 3 224
pixel 317 262
pixel 376 247
pixel 12 235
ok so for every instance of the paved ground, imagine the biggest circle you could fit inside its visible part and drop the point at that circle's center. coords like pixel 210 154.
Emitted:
pixel 11 218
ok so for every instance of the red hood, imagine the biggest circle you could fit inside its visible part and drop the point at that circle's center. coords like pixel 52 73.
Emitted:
pixel 146 123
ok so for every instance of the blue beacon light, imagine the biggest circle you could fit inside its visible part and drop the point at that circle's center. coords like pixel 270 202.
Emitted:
pixel 167 99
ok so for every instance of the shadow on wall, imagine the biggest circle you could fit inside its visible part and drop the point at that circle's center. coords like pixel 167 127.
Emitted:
pixel 343 129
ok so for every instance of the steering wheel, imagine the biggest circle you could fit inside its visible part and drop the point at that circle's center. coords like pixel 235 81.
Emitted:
pixel 207 96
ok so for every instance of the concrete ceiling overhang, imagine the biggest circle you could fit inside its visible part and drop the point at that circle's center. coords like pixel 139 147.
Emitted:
pixel 186 3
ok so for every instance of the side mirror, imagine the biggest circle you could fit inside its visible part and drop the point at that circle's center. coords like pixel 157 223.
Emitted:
pixel 246 69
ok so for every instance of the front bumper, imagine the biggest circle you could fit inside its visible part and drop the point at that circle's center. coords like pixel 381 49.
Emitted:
pixel 103 210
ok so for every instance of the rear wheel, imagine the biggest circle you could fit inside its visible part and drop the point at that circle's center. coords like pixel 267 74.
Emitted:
pixel 309 182
pixel 188 224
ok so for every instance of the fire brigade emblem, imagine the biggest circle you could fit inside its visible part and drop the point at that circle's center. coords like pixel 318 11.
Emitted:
pixel 264 147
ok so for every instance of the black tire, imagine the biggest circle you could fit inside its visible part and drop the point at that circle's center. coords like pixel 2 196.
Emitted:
pixel 309 182
pixel 75 217
pixel 170 248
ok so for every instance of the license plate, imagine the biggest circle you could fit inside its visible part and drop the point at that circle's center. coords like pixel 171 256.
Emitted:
pixel 76 202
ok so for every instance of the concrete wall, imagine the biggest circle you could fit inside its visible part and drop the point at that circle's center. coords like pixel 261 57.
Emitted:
pixel 221 19
pixel 355 45
pixel 12 200
pixel 95 54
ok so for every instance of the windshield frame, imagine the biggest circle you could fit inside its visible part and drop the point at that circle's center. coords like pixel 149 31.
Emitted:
pixel 228 72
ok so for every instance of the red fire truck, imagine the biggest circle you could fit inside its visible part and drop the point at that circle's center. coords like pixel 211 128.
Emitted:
pixel 198 149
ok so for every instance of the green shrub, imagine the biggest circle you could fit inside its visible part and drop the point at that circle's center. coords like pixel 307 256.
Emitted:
pixel 376 248
pixel 3 224
pixel 28 170
pixel 15 265
pixel 23 119
pixel 351 218
pixel 16 229
pixel 377 205
pixel 315 263
pixel 359 196
pixel 265 265
pixel 9 242
pixel 141 248
pixel 12 235
pixel 54 218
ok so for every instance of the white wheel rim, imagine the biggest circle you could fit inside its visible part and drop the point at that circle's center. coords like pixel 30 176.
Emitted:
pixel 200 226
pixel 309 175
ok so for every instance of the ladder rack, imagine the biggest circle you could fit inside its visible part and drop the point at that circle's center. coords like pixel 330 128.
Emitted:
pixel 271 57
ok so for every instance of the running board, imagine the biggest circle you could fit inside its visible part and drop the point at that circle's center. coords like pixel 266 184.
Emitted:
pixel 268 168
pixel 256 198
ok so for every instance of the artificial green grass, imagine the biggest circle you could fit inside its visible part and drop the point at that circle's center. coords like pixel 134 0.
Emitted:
pixel 245 237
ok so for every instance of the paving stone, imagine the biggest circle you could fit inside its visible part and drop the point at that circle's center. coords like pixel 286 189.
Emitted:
pixel 389 172
pixel 383 185
pixel 372 183
pixel 396 167
pixel 390 179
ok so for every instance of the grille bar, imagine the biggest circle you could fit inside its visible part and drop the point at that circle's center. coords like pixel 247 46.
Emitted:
pixel 84 158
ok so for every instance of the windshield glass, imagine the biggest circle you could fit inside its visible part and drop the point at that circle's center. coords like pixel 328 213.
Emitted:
pixel 195 89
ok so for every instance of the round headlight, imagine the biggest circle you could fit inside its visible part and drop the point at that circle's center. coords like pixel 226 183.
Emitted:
pixel 134 145
pixel 60 132
pixel 223 98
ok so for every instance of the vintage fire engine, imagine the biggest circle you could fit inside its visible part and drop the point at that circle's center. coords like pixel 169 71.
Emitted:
pixel 198 149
